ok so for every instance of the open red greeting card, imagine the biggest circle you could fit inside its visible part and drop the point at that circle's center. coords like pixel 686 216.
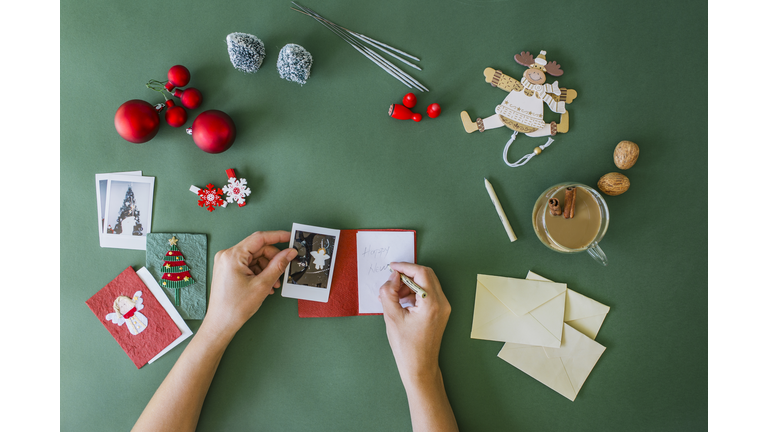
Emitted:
pixel 134 317
pixel 344 296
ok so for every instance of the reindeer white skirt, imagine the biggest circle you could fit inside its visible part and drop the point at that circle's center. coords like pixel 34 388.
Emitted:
pixel 523 108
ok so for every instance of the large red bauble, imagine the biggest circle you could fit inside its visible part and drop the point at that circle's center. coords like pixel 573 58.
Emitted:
pixel 191 98
pixel 213 131
pixel 178 76
pixel 176 116
pixel 137 121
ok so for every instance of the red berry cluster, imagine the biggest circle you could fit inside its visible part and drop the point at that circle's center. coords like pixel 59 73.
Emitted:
pixel 403 112
pixel 191 98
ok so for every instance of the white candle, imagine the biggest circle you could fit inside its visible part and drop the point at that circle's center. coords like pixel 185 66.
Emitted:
pixel 500 211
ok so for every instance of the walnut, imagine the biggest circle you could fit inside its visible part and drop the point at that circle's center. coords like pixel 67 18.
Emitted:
pixel 625 155
pixel 613 183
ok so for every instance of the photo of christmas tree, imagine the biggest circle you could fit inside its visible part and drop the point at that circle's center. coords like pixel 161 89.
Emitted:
pixel 128 211
pixel 124 214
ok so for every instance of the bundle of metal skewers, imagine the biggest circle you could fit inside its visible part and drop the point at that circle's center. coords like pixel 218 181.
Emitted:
pixel 358 41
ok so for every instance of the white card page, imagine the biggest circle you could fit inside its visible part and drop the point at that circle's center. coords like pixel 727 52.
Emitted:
pixel 159 294
pixel 375 250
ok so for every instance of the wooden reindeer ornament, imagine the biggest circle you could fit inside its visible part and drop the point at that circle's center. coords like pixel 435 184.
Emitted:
pixel 523 108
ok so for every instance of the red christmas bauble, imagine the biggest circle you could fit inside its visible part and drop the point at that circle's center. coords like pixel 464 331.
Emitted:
pixel 176 116
pixel 178 76
pixel 213 131
pixel 433 110
pixel 137 121
pixel 191 98
pixel 409 100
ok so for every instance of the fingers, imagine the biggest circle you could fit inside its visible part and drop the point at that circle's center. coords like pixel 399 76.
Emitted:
pixel 269 252
pixel 409 299
pixel 390 296
pixel 259 264
pixel 256 241
pixel 277 265
pixel 413 271
pixel 423 276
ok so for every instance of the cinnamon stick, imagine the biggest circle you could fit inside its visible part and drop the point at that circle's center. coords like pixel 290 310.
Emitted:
pixel 554 207
pixel 570 202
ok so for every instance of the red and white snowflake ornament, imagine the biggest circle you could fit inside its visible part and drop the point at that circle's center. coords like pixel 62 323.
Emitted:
pixel 210 197
pixel 236 190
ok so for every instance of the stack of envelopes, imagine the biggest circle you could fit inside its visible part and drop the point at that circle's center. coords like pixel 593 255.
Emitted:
pixel 548 328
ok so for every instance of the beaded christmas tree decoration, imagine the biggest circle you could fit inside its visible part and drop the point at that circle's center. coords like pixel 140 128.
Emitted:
pixel 175 271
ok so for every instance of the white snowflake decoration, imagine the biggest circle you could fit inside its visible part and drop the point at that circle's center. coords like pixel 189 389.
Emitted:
pixel 237 190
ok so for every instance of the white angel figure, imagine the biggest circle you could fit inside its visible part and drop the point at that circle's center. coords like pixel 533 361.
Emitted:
pixel 320 258
pixel 127 311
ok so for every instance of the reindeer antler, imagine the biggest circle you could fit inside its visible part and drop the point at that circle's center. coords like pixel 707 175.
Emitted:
pixel 553 69
pixel 524 58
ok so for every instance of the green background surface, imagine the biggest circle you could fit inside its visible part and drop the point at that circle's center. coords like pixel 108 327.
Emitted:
pixel 327 154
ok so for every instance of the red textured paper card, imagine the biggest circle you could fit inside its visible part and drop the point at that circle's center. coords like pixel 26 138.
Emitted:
pixel 134 317
pixel 342 300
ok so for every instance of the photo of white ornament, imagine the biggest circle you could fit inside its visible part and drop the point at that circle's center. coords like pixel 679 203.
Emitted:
pixel 320 257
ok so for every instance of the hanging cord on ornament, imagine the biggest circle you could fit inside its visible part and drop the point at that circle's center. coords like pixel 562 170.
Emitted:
pixel 523 160
pixel 158 86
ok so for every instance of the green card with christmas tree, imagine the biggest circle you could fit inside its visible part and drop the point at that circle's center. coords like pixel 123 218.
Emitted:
pixel 179 262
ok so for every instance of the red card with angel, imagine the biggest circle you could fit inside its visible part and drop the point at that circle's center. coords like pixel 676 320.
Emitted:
pixel 134 317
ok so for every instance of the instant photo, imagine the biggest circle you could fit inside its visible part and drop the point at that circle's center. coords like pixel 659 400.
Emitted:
pixel 309 275
pixel 125 208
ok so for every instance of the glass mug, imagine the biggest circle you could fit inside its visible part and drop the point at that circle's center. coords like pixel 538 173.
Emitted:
pixel 578 234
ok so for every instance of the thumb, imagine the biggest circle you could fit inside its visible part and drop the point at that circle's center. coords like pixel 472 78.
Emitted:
pixel 277 265
pixel 390 299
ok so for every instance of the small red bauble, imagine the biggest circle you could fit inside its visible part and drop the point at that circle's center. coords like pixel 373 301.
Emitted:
pixel 178 76
pixel 402 113
pixel 176 116
pixel 190 97
pixel 137 121
pixel 409 100
pixel 433 110
pixel 213 131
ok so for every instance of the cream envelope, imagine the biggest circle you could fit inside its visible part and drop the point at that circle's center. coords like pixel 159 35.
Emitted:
pixel 563 369
pixel 581 312
pixel 519 311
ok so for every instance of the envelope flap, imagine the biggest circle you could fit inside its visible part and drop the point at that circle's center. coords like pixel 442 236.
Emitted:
pixel 568 343
pixel 580 306
pixel 533 361
pixel 519 295
pixel 487 307
pixel 582 359
pixel 581 312
pixel 589 326
pixel 550 315
pixel 520 330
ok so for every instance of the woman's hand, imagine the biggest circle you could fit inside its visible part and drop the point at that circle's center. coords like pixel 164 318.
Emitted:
pixel 414 332
pixel 243 276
